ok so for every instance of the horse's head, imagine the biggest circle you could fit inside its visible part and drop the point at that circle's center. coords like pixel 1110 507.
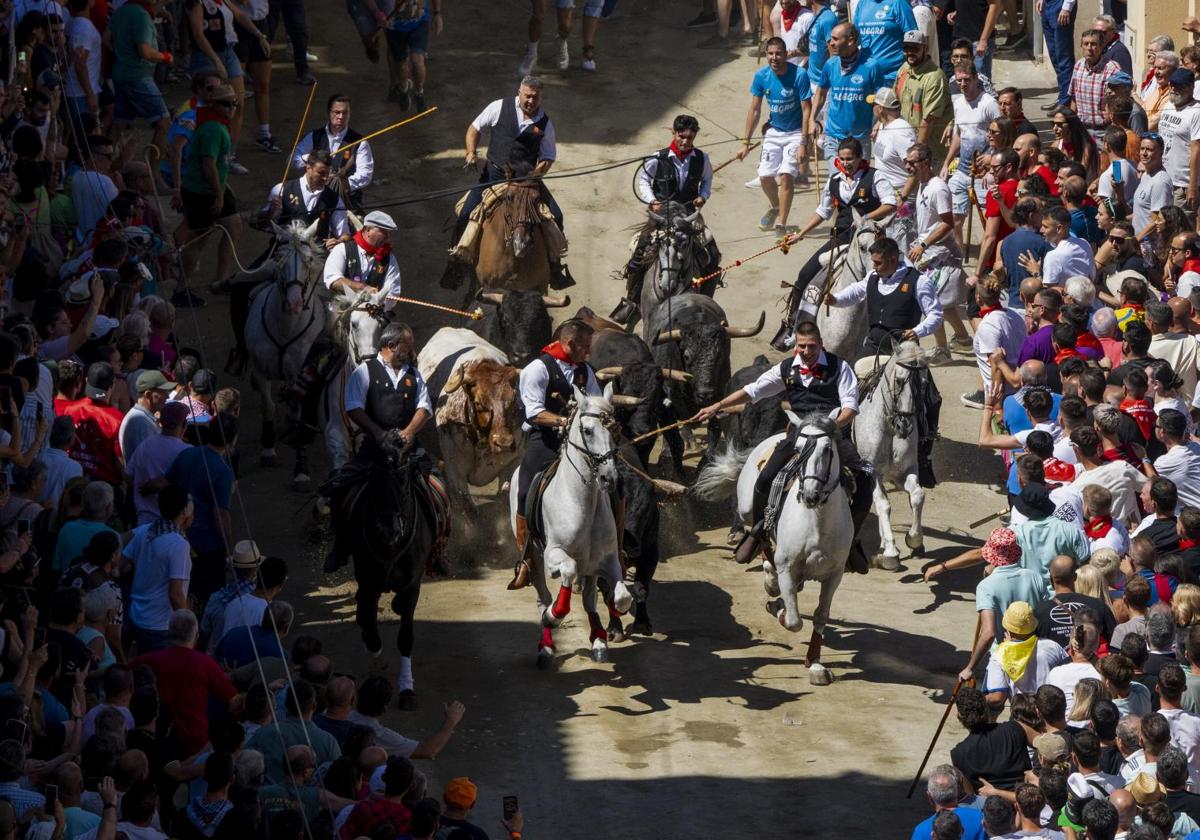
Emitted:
pixel 359 320
pixel 299 261
pixel 590 437
pixel 820 467
pixel 900 400
pixel 674 234
pixel 522 215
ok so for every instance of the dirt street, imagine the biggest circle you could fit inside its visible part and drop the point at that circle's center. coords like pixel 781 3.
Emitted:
pixel 710 728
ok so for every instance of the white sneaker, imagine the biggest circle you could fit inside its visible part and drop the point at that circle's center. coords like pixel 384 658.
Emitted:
pixel 237 168
pixel 564 56
pixel 529 62
pixel 588 64
pixel 753 184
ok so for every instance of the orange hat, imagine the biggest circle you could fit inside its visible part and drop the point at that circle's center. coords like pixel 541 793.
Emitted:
pixel 460 793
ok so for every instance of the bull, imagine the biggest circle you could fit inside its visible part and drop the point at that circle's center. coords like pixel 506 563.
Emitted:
pixel 477 410
pixel 518 322
pixel 691 333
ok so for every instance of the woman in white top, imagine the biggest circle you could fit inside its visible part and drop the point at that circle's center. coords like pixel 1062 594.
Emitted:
pixel 1000 331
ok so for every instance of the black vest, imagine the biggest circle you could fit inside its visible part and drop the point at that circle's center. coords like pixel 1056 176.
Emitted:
pixel 343 161
pixel 863 200
pixel 900 310
pixel 374 277
pixel 390 407
pixel 822 395
pixel 558 396
pixel 322 210
pixel 666 187
pixel 213 23
pixel 509 146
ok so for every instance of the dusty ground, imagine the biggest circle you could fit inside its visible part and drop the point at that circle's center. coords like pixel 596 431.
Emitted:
pixel 710 728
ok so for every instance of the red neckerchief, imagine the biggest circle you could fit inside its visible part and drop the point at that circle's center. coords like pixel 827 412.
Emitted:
pixel 1083 338
pixel 1143 412
pixel 1097 527
pixel 1123 452
pixel 1059 471
pixel 207 113
pixel 1185 544
pixel 1134 307
pixel 1191 265
pixel 559 352
pixel 379 254
pixel 1066 353
pixel 681 155
pixel 815 371
pixel 862 167
pixel 789 19
pixel 984 311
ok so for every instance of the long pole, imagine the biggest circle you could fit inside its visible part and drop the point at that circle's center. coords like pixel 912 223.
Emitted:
pixel 373 134
pixel 753 146
pixel 287 166
pixel 474 315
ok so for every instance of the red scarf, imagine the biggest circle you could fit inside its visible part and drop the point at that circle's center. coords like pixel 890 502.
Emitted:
pixel 1097 527
pixel 1184 545
pixel 679 154
pixel 1143 412
pixel 1058 471
pixel 1124 452
pixel 862 167
pixel 1086 339
pixel 1066 353
pixel 1191 265
pixel 984 311
pixel 559 352
pixel 789 18
pixel 207 113
pixel 379 254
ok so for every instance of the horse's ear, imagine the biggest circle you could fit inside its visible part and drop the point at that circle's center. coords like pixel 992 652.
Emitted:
pixel 276 230
pixel 608 390
pixel 579 395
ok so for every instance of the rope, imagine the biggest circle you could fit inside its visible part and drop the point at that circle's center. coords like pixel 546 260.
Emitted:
pixel 475 315
pixel 782 245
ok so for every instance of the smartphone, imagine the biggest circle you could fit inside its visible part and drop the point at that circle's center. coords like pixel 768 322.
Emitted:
pixel 39 637
pixel 510 807
pixel 51 798
pixel 22 527
pixel 14 730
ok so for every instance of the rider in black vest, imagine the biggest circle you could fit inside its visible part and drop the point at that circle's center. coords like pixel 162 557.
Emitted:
pixel 902 305
pixel 514 151
pixel 812 381
pixel 679 174
pixel 546 389
pixel 348 164
pixel 385 396
pixel 853 188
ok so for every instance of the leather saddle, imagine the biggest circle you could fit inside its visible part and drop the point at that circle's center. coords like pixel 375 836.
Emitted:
pixel 533 502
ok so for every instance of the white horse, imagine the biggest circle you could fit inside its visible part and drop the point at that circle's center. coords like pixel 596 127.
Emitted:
pixel 886 432
pixel 814 530
pixel 286 316
pixel 577 520
pixel 358 321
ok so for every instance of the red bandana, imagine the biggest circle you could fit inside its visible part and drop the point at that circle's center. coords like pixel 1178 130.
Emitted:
pixel 207 113
pixel 1184 544
pixel 1086 339
pixel 862 167
pixel 984 311
pixel 559 352
pixel 1124 452
pixel 679 154
pixel 815 370
pixel 379 254
pixel 1097 527
pixel 1059 471
pixel 1066 353
pixel 789 18
pixel 1143 412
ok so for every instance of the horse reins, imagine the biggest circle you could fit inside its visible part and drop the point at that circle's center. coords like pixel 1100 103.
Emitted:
pixel 594 460
pixel 804 453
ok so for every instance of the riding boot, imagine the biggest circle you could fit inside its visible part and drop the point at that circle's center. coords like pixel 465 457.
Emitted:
pixel 748 548
pixel 857 561
pixel 522 571
pixel 783 338
pixel 560 276
pixel 925 476
pixel 628 307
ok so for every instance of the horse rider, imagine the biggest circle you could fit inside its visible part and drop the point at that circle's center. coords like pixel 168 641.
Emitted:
pixel 521 144
pixel 853 186
pixel 385 395
pixel 902 305
pixel 353 168
pixel 813 380
pixel 363 262
pixel 680 173
pixel 307 199
pixel 546 389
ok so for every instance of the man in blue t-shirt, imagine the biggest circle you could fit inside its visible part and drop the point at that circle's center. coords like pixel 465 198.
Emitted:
pixel 788 93
pixel 943 793
pixel 881 26
pixel 824 19
pixel 847 79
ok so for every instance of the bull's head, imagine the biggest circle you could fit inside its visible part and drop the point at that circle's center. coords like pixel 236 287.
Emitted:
pixel 702 350
pixel 492 408
pixel 523 323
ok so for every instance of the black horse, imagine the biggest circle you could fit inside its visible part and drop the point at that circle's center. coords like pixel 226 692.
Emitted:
pixel 389 522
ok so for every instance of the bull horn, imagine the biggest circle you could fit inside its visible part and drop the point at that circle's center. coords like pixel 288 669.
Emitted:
pixel 607 373
pixel 667 335
pixel 455 381
pixel 494 298
pixel 676 375
pixel 311 230
pixel 356 222
pixel 668 488
pixel 747 332
pixel 785 405
pixel 656 218
pixel 626 400
pixel 556 301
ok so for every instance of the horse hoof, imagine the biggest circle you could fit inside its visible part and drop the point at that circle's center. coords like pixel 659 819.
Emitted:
pixel 616 631
pixel 545 658
pixel 268 458
pixel 641 627
pixel 818 674
pixel 916 543
pixel 917 550
pixel 770 581
pixel 599 651
pixel 406 701
pixel 301 483
pixel 372 642
pixel 886 562
pixel 735 536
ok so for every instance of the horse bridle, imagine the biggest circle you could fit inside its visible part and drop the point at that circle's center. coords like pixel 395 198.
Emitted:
pixel 301 272
pixel 376 311
pixel 595 461
pixel 803 454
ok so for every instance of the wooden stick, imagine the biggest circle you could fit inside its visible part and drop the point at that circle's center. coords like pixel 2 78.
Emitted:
pixel 474 315
pixel 669 488
pixel 677 424
pixel 812 143
pixel 945 715
pixel 424 113
pixel 287 167
pixel 751 148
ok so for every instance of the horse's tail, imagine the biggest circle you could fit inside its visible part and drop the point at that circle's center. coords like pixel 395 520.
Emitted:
pixel 720 476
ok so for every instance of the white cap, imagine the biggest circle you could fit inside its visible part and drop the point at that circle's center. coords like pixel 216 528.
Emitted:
pixel 379 219
pixel 885 97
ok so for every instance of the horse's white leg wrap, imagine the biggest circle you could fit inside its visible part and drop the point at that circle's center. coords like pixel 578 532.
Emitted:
pixel 883 510
pixel 916 501
pixel 404 680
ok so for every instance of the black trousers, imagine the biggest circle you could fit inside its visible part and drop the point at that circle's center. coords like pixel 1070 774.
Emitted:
pixel 538 455
pixel 786 449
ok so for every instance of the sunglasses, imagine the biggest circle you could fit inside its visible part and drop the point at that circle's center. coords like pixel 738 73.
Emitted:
pixel 1117 240
pixel 1150 135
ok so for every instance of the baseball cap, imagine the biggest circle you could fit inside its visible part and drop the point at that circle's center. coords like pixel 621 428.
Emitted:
pixel 915 36
pixel 885 97
pixel 460 793
pixel 1050 746
pixel 99 380
pixel 1120 78
pixel 204 381
pixel 379 219
pixel 153 380
pixel 1182 77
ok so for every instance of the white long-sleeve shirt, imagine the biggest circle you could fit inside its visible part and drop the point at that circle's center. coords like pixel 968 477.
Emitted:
pixel 490 115
pixel 681 166
pixel 927 297
pixel 1071 257
pixel 770 382
pixel 338 225
pixel 360 381
pixel 532 385
pixel 846 188
pixel 364 159
pixel 335 269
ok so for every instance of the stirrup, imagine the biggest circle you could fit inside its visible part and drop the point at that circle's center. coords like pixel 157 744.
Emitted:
pixel 521 574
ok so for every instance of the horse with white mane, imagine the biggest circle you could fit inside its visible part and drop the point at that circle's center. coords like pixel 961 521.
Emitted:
pixel 814 529
pixel 578 526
